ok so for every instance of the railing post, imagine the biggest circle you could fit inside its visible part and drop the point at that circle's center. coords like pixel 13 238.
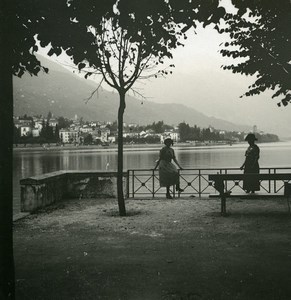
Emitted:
pixel 225 183
pixel 199 180
pixel 269 170
pixel 153 174
pixel 275 187
pixel 127 184
pixel 132 183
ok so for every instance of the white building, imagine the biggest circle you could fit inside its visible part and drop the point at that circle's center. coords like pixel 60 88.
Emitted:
pixel 53 123
pixel 211 128
pixel 101 134
pixel 132 125
pixel 21 122
pixel 111 139
pixel 25 130
pixel 38 124
pixel 93 124
pixel 35 132
pixel 69 136
pixel 130 134
pixel 86 129
pixel 173 134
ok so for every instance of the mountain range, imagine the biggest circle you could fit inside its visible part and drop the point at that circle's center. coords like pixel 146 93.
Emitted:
pixel 66 94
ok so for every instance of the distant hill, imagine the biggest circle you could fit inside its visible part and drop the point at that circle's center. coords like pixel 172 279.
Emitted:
pixel 62 92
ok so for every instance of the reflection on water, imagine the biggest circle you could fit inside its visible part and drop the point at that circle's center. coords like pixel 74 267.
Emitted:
pixel 26 164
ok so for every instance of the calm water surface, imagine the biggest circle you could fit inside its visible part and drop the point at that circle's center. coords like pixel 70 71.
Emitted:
pixel 36 162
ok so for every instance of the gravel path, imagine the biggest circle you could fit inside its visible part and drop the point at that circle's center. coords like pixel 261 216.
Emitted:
pixel 162 249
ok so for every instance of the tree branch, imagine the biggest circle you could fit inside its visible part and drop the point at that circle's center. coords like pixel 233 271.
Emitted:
pixel 95 91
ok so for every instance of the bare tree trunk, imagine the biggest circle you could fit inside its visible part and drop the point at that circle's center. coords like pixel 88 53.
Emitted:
pixel 120 195
pixel 7 281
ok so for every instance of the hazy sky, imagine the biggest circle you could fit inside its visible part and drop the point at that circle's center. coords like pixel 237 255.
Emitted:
pixel 198 81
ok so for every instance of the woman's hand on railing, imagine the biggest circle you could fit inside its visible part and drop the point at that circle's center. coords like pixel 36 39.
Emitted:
pixel 157 164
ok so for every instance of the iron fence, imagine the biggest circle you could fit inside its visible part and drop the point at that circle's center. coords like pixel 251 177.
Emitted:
pixel 144 183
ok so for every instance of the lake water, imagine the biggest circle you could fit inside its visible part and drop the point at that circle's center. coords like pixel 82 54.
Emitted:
pixel 35 162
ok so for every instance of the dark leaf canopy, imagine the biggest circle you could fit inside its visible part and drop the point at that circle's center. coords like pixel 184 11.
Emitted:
pixel 261 38
pixel 65 25
pixel 52 23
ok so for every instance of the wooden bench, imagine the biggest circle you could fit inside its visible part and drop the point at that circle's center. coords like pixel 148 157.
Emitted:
pixel 220 179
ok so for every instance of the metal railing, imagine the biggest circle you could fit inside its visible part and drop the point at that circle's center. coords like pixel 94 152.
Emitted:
pixel 144 183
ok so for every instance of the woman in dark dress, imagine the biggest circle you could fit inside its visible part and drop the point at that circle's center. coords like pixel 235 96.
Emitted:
pixel 168 173
pixel 251 164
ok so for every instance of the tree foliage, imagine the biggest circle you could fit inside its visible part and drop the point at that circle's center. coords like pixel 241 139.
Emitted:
pixel 63 25
pixel 159 127
pixel 88 139
pixel 261 39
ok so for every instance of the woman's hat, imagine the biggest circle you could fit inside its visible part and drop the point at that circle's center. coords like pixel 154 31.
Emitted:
pixel 251 137
pixel 168 140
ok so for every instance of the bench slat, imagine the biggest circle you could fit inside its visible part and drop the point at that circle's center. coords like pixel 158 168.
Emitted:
pixel 281 176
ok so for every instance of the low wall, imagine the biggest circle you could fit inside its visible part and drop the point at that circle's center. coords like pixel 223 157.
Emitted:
pixel 40 191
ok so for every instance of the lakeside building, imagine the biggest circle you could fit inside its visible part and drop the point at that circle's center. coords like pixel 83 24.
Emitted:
pixel 69 136
pixel 132 125
pixel 173 134
pixel 112 139
pixel 131 134
pixel 93 124
pixel 25 130
pixel 35 132
pixel 38 123
pixel 53 123
pixel 86 129
pixel 101 134
pixel 24 126
pixel 22 122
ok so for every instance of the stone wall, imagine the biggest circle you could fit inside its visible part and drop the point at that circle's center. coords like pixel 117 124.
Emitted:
pixel 40 191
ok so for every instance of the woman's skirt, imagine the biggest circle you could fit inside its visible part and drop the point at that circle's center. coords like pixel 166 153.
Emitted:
pixel 253 183
pixel 168 174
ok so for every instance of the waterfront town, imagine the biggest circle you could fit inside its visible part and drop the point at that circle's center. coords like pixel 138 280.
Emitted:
pixel 92 208
pixel 76 131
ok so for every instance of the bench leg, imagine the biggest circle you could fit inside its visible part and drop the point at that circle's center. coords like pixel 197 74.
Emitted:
pixel 223 205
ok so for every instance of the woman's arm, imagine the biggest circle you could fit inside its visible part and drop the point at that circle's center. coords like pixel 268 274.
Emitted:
pixel 244 163
pixel 176 162
pixel 175 159
pixel 157 164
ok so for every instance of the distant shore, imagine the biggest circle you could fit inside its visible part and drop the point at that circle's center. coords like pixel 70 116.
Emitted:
pixel 113 147
pixel 128 147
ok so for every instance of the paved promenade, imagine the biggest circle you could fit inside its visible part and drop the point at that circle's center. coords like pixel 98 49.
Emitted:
pixel 164 249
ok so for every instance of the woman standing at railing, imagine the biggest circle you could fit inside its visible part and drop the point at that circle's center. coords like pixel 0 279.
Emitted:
pixel 168 173
pixel 251 164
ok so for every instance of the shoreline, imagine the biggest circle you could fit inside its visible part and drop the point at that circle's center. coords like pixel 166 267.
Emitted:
pixel 113 148
pixel 133 147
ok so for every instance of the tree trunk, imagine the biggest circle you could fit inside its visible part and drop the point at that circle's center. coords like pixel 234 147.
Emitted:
pixel 120 195
pixel 7 283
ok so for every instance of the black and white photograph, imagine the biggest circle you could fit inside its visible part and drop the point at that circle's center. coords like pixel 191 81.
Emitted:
pixel 145 149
